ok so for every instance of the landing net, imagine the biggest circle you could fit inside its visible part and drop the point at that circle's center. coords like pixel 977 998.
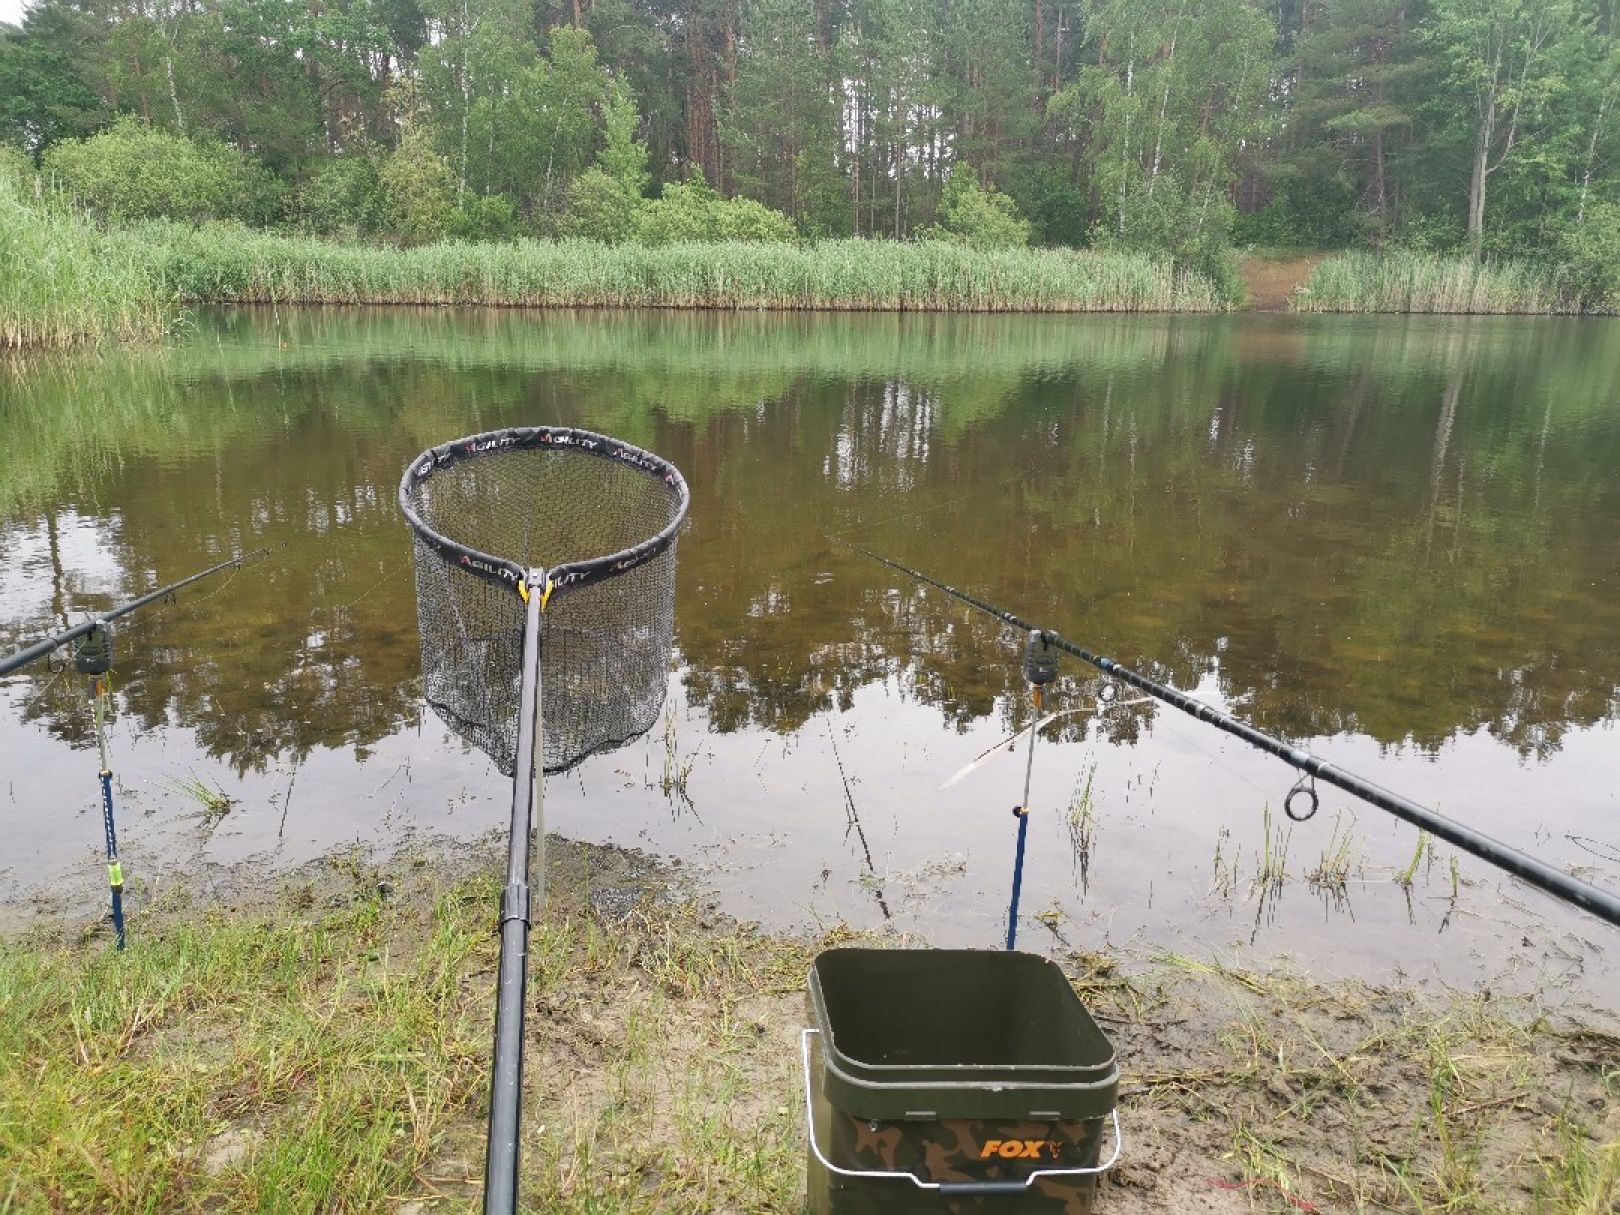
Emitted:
pixel 586 522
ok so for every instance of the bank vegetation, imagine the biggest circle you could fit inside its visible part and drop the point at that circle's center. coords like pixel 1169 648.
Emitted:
pixel 327 1049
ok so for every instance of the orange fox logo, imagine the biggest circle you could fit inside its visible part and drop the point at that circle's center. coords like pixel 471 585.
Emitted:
pixel 1020 1149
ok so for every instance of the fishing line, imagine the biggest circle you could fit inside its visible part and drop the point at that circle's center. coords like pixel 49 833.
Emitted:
pixel 1601 903
pixel 953 500
pixel 854 822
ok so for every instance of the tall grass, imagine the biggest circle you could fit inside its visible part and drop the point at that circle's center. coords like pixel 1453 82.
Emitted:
pixel 225 264
pixel 63 281
pixel 1422 282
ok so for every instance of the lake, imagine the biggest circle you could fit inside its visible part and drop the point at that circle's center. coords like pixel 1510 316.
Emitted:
pixel 1393 541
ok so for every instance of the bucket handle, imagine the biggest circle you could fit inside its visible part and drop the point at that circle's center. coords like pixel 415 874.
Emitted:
pixel 943 1187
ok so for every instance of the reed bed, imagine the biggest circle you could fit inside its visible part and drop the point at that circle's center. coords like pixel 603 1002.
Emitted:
pixel 63 281
pixel 220 264
pixel 1422 282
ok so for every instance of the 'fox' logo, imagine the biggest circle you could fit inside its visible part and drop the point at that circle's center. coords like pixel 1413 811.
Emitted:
pixel 1020 1149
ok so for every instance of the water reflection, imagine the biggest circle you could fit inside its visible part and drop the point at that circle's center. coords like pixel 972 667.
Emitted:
pixel 1398 528
pixel 1397 536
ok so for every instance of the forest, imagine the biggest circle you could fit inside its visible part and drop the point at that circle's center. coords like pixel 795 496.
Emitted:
pixel 1479 129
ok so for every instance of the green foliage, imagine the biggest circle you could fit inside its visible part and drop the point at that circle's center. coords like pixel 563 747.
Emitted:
pixel 484 217
pixel 1489 125
pixel 623 157
pixel 63 281
pixel 1360 82
pixel 133 171
pixel 1504 81
pixel 230 263
pixel 603 200
pixel 16 168
pixel 1057 205
pixel 1193 228
pixel 693 211
pixel 419 188
pixel 535 123
pixel 1421 282
pixel 44 96
pixel 600 209
pixel 1591 258
pixel 782 129
pixel 1174 94
pixel 344 196
pixel 971 215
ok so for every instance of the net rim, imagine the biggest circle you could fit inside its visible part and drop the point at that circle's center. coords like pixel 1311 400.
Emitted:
pixel 570 575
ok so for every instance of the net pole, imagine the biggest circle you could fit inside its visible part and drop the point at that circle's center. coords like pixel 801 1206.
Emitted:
pixel 506 1082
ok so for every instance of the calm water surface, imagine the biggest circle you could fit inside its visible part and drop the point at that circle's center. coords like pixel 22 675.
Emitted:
pixel 1395 541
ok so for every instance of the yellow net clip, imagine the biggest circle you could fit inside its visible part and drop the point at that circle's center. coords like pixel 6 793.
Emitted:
pixel 545 596
pixel 115 874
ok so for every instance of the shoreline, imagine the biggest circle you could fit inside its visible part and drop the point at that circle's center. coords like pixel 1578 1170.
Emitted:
pixel 662 1074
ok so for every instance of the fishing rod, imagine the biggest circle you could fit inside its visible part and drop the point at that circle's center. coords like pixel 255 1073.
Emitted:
pixel 39 649
pixel 1601 903
pixel 93 657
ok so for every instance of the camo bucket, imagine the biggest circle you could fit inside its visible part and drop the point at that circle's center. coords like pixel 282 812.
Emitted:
pixel 953 1080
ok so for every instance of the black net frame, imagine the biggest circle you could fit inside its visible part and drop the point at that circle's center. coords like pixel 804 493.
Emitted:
pixel 505 514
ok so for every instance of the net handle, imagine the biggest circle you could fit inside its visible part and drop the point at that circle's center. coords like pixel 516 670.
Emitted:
pixel 570 575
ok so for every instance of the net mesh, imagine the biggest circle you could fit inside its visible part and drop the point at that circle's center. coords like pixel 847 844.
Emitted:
pixel 589 516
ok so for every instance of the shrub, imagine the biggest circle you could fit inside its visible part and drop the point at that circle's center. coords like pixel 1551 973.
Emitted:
pixel 132 171
pixel 692 211
pixel 484 217
pixel 1193 227
pixel 599 208
pixel 971 215
pixel 418 188
pixel 1591 258
pixel 344 197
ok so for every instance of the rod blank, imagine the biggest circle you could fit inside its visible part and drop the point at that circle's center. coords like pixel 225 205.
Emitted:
pixel 506 1077
pixel 41 648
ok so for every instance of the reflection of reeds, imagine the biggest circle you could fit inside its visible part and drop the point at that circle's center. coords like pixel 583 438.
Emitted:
pixel 1332 872
pixel 1226 868
pixel 1405 876
pixel 1271 869
pixel 1081 819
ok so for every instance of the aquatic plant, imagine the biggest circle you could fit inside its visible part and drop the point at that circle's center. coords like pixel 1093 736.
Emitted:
pixel 64 281
pixel 224 263
pixel 1423 282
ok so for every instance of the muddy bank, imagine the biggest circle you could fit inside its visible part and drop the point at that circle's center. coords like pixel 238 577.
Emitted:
pixel 254 1047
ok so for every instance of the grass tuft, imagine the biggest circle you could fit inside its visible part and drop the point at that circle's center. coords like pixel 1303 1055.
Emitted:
pixel 336 1060
pixel 1398 281
pixel 228 264
pixel 63 281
